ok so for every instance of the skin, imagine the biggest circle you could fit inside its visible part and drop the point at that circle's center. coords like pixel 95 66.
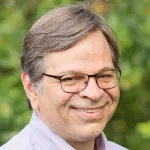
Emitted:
pixel 56 108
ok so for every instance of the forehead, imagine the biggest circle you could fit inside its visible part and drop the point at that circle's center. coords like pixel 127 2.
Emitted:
pixel 89 55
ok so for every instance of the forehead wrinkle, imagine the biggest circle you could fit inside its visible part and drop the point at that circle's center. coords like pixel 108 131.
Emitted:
pixel 88 56
pixel 82 72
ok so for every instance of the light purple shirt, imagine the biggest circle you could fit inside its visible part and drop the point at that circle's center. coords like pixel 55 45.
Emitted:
pixel 37 136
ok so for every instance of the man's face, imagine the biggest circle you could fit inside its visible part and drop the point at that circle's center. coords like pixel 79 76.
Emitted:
pixel 78 116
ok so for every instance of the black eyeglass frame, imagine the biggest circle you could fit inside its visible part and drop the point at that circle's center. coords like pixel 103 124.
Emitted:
pixel 89 76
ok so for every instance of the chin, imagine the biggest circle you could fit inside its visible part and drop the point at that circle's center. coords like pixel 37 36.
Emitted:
pixel 90 132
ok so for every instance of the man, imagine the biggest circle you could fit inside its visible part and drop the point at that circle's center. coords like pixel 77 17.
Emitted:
pixel 70 73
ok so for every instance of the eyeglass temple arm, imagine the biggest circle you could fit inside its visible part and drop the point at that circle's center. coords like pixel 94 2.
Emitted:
pixel 55 77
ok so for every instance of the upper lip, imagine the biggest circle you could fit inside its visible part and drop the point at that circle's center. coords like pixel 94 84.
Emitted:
pixel 88 108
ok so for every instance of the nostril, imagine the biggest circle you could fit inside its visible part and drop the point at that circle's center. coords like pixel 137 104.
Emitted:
pixel 85 82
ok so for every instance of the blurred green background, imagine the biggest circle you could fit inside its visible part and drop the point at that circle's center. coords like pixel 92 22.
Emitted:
pixel 130 19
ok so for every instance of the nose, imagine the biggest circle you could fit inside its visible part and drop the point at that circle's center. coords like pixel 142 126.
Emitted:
pixel 92 91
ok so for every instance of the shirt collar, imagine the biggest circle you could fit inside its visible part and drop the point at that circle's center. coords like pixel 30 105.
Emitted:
pixel 101 142
pixel 50 140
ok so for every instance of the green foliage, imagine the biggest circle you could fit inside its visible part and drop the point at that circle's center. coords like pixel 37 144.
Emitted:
pixel 129 19
pixel 144 129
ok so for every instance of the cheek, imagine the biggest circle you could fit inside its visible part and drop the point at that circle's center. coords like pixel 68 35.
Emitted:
pixel 65 97
pixel 55 92
pixel 114 94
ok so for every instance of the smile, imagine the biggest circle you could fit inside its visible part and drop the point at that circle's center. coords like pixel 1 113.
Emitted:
pixel 89 113
pixel 88 110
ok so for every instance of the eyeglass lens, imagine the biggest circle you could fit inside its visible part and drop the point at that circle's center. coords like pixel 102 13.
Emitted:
pixel 78 82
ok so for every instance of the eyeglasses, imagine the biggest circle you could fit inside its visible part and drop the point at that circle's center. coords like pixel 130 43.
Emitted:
pixel 72 83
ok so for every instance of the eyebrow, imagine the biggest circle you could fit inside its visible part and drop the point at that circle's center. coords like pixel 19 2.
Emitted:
pixel 76 72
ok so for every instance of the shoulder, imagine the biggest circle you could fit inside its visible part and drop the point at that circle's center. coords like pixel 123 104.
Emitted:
pixel 114 146
pixel 109 144
pixel 22 141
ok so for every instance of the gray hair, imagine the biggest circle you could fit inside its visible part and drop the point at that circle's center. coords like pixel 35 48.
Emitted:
pixel 58 30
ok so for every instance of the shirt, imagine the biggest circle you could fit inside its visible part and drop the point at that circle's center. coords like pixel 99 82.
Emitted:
pixel 37 136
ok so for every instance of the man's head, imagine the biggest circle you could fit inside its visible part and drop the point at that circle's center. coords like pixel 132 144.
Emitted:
pixel 71 41
pixel 58 30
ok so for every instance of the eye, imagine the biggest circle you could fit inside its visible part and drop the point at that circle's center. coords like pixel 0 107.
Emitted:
pixel 106 76
pixel 67 79
pixel 72 78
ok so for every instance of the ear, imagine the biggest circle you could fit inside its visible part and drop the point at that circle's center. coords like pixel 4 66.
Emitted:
pixel 31 91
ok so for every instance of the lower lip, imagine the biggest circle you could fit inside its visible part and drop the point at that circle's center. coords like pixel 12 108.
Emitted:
pixel 89 115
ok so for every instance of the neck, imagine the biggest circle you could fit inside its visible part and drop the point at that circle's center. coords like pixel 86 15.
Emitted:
pixel 83 145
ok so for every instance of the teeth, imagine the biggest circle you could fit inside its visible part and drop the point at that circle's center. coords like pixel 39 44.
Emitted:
pixel 88 110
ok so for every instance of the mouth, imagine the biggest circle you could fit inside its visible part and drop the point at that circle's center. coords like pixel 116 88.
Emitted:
pixel 89 112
